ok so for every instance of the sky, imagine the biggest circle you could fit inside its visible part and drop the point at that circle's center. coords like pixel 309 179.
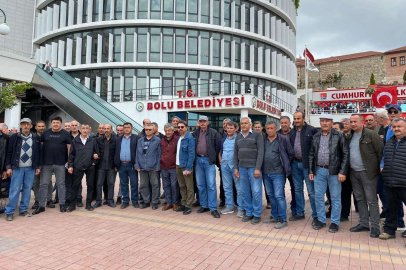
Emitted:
pixel 339 27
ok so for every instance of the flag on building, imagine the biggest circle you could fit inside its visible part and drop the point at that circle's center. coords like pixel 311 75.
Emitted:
pixel 385 95
pixel 309 61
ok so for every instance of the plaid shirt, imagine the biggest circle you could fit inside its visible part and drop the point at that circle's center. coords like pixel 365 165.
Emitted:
pixel 324 151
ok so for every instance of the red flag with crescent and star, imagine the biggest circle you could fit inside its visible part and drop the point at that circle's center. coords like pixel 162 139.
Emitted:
pixel 385 95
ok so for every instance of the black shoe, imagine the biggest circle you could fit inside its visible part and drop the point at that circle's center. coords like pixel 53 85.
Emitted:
pixel 222 205
pixel 79 204
pixel 247 218
pixel 328 214
pixel 89 207
pixel 105 203
pixel 333 228
pixel 343 219
pixel 186 210
pixel 196 204
pixel 24 214
pixel 154 206
pixel 98 204
pixel 136 205
pixel 319 225
pixel 359 228
pixel 56 201
pixel 255 220
pixel 72 208
pixel 159 202
pixel 215 214
pixel 62 208
pixel 35 205
pixel 202 210
pixel 375 232
pixel 67 204
pixel 314 222
pixel 9 217
pixel 124 205
pixel 182 209
pixel 145 205
pixel 382 216
pixel 119 201
pixel 296 217
pixel 38 210
pixel 112 204
pixel 50 204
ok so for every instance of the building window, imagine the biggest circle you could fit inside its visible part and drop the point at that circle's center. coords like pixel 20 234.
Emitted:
pixel 205 11
pixel 115 97
pixel 75 11
pixel 237 49
pixel 118 12
pixel 156 9
pixel 180 40
pixel 216 83
pixel 143 9
pixel 104 83
pixel 216 49
pixel 106 10
pixel 247 16
pixel 154 83
pixel 155 45
pixel 393 61
pixel 255 19
pixel 105 45
pixel 167 83
pixel 130 7
pixel 216 12
pixel 204 83
pixel 84 47
pixel 402 60
pixel 141 93
pixel 227 50
pixel 180 83
pixel 168 10
pixel 247 54
pixel 167 45
pixel 142 45
pixel 227 13
pixel 84 15
pixel 180 10
pixel 226 84
pixel 95 45
pixel 192 16
pixel 237 14
pixel 192 46
pixel 129 44
pixel 205 48
pixel 117 44
pixel 128 84
pixel 95 11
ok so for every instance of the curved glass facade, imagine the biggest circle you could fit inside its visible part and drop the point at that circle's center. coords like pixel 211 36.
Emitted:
pixel 219 46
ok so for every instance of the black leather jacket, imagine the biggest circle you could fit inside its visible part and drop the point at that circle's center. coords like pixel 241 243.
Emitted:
pixel 306 137
pixel 339 156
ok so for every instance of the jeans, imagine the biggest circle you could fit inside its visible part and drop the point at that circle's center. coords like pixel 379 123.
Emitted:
pixel 293 195
pixel 228 179
pixel 46 175
pixel 299 174
pixel 365 194
pixel 381 192
pixel 322 180
pixel 21 177
pixel 275 187
pixel 127 174
pixel 146 178
pixel 171 186
pixel 206 183
pixel 251 188
pixel 109 175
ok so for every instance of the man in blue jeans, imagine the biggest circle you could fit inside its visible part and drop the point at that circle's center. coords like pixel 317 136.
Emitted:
pixel 248 158
pixel 301 137
pixel 207 150
pixel 277 158
pixel 23 161
pixel 124 159
pixel 226 159
pixel 328 165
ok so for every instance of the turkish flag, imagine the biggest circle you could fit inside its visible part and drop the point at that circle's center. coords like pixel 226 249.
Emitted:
pixel 383 95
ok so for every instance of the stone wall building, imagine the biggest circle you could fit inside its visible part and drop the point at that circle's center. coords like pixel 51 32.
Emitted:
pixel 395 65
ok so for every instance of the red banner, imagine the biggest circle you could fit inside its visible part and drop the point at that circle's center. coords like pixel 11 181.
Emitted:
pixel 384 95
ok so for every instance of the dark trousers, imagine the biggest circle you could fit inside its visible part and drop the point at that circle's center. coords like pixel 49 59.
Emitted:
pixel 395 196
pixel 171 186
pixel 381 192
pixel 96 181
pixel 68 185
pixel 105 177
pixel 346 190
pixel 77 180
pixel 195 189
pixel 292 192
pixel 222 195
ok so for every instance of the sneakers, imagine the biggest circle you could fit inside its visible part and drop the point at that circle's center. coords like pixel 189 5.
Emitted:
pixel 24 214
pixel 240 213
pixel 226 210
pixel 333 228
pixel 255 220
pixel 401 228
pixel 281 224
pixel 247 218
pixel 9 217
pixel 386 236
pixel 296 217
pixel 271 219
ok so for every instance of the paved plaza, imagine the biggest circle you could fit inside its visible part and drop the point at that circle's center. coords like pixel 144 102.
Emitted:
pixel 112 238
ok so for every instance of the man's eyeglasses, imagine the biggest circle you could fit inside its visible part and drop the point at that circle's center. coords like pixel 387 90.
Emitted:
pixel 181 127
pixel 148 129
pixel 393 112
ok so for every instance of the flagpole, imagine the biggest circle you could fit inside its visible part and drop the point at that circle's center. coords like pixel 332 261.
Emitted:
pixel 306 85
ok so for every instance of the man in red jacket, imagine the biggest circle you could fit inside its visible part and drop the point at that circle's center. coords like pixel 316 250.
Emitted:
pixel 168 168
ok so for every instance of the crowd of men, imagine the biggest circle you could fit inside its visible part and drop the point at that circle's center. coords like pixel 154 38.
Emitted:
pixel 341 159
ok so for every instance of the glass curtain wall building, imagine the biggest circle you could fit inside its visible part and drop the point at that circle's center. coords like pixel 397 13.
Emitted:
pixel 131 50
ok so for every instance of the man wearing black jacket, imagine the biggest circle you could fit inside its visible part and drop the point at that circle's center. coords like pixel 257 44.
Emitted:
pixel 301 138
pixel 81 161
pixel 106 168
pixel 207 150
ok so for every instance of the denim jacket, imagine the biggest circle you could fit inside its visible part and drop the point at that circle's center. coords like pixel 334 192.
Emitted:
pixel 187 152
pixel 149 161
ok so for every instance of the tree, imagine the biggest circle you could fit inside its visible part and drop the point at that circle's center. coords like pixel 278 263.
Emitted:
pixel 9 93
pixel 404 77
pixel 372 79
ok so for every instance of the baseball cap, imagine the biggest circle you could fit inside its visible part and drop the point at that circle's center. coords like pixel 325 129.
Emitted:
pixel 394 106
pixel 25 120
pixel 203 117
pixel 326 116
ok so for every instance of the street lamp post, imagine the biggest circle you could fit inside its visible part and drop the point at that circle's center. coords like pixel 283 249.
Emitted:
pixel 4 29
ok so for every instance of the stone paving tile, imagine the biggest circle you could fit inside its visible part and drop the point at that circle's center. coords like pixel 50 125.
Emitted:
pixel 112 238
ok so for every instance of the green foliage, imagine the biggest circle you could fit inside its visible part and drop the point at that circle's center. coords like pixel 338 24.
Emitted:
pixel 404 77
pixel 372 80
pixel 8 94
pixel 297 4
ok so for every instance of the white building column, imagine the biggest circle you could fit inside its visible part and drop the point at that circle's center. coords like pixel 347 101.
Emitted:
pixel 99 48
pixel 71 12
pixel 69 45
pixel 100 12
pixel 244 113
pixel 62 17
pixel 43 54
pixel 61 53
pixel 87 82
pixel 90 11
pixel 111 37
pixel 39 23
pixel 273 28
pixel 80 12
pixel 55 18
pixel 109 88
pixel 78 55
pixel 12 116
pixel 54 54
pixel 48 52
pixel 98 85
pixel 123 47
pixel 89 49
pixel 260 59
pixel 44 22
pixel 50 13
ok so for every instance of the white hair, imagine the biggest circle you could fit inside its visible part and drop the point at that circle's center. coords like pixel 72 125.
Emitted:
pixel 3 125
pixel 246 117
pixel 382 113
